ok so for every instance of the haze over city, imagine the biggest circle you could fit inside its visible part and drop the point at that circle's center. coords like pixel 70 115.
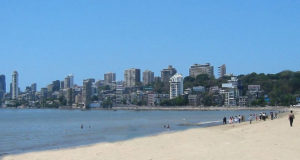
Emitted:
pixel 47 40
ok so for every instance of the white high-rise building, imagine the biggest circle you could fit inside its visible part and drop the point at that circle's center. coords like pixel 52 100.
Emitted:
pixel 15 85
pixel 176 86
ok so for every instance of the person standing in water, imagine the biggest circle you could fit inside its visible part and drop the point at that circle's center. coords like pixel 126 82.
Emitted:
pixel 291 118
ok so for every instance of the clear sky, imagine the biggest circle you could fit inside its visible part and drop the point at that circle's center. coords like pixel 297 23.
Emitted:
pixel 46 40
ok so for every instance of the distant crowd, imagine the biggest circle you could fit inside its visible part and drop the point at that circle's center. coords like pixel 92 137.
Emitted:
pixel 257 117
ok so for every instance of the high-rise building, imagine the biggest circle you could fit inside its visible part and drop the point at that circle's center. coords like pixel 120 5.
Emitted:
pixel 148 77
pixel 50 88
pixel 62 84
pixel 15 85
pixel 132 77
pixel 56 85
pixel 198 69
pixel 43 94
pixel 33 87
pixel 87 92
pixel 176 86
pixel 69 96
pixel 2 83
pixel 222 70
pixel 109 77
pixel 167 73
pixel 69 81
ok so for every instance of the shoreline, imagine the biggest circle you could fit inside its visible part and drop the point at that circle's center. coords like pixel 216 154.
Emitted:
pixel 165 108
pixel 163 140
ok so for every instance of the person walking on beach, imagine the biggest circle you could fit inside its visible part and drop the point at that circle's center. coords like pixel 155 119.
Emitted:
pixel 224 120
pixel 250 118
pixel 236 119
pixel 260 116
pixel 230 120
pixel 291 118
pixel 272 115
pixel 264 116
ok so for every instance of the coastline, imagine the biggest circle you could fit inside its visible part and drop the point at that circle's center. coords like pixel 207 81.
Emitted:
pixel 272 139
pixel 165 108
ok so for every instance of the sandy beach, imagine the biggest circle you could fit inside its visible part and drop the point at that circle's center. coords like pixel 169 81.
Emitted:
pixel 269 140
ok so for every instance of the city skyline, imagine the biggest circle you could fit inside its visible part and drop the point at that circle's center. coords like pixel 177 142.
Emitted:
pixel 45 41
pixel 73 82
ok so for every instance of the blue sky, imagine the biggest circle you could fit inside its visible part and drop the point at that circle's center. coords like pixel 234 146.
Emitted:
pixel 46 40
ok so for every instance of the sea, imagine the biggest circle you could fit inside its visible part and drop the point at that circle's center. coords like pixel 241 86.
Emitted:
pixel 26 130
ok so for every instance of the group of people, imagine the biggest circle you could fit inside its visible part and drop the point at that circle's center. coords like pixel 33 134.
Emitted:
pixel 234 119
pixel 252 117
pixel 81 126
pixel 167 126
pixel 261 116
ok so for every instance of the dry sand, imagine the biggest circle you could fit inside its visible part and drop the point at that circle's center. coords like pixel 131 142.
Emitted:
pixel 269 140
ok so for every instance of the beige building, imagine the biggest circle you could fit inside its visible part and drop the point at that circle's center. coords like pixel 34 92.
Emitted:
pixel 132 77
pixel 198 69
pixel 109 78
pixel 222 70
pixel 148 77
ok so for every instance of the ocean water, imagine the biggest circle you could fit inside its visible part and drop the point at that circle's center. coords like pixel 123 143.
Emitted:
pixel 24 130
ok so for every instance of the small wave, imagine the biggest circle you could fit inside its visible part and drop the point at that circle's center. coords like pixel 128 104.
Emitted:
pixel 198 124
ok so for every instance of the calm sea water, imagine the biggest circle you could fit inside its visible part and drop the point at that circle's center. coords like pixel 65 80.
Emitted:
pixel 23 130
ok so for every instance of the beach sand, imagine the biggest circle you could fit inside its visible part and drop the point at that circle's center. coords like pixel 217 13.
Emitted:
pixel 269 140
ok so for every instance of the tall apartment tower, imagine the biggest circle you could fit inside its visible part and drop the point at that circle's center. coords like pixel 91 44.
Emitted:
pixel 167 73
pixel 198 69
pixel 69 96
pixel 176 86
pixel 43 94
pixel 148 77
pixel 56 85
pixel 33 87
pixel 222 70
pixel 2 83
pixel 69 81
pixel 2 86
pixel 132 77
pixel 62 84
pixel 87 92
pixel 109 77
pixel 15 85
